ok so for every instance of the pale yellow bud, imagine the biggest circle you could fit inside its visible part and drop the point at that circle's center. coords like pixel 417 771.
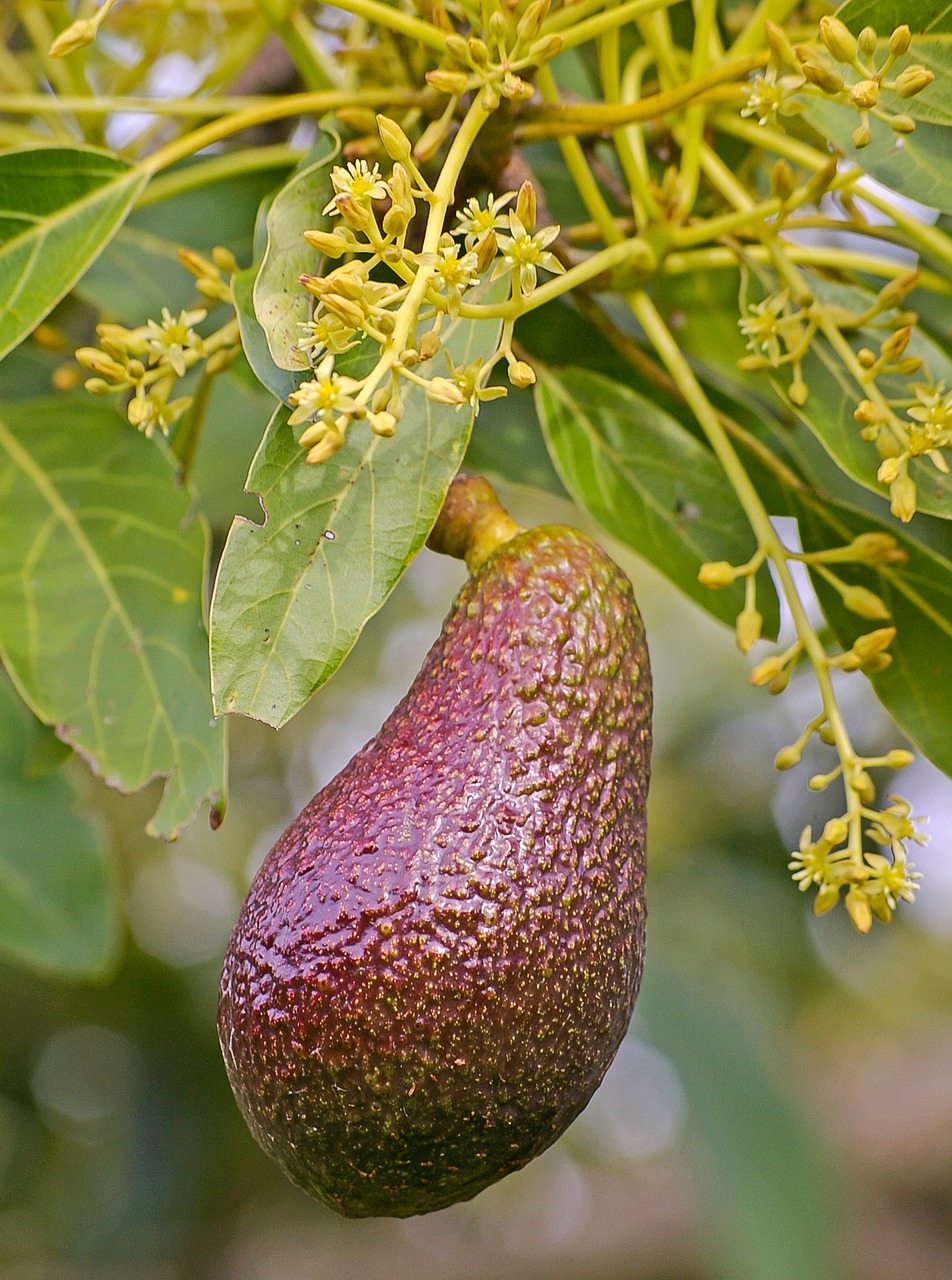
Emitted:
pixel 912 81
pixel 902 494
pixel 895 344
pixel 716 574
pixel 329 243
pixel 546 49
pixel 382 424
pixel 753 363
pixel 749 625
pixel 429 345
pixel 224 259
pixel 526 205
pixel 521 374
pixel 877 663
pixel 826 898
pixel 782 180
pixel 819 781
pixel 838 39
pixel 81 33
pixel 874 642
pixel 327 447
pixel 780 47
pixel 868 413
pixel 344 309
pixel 766 671
pixel 867 40
pixel 787 758
pixel 395 141
pixel 889 469
pixel 430 140
pixel 898 758
pixel 862 784
pixel 530 24
pixel 478 51
pixel 861 136
pixel 445 391
pixel 899 41
pixel 454 83
pixel 835 831
pixel 857 904
pixel 864 603
pixel 893 293
pixel 823 76
pixel 902 124
pixel 877 548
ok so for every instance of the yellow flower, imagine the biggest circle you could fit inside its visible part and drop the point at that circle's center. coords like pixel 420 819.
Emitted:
pixel 326 397
pixel 527 253
pixel 169 341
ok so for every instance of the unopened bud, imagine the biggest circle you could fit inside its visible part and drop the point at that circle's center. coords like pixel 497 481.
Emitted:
pixel 909 364
pixel 77 36
pixel 898 758
pixel 521 374
pixel 798 391
pixel 877 548
pixel 395 222
pixel 445 391
pixel 515 88
pixel 780 47
pixel 395 141
pixel 454 83
pixel 329 243
pixel 877 663
pixel 902 495
pixel 224 259
pixel 894 291
pixel 874 642
pixel 863 785
pixel 787 758
pixel 826 734
pixel 753 363
pixel 748 629
pixel 867 414
pixel 478 51
pixel 838 39
pixel 526 205
pixel 820 781
pixel 864 95
pixel 864 603
pixel 546 49
pixel 835 831
pixel 382 424
pixel 457 47
pixel 860 912
pixel 486 249
pixel 430 140
pixel 821 181
pixel 530 24
pixel 912 81
pixel 326 447
pixel 429 345
pixel 489 98
pixel 221 360
pixel 866 357
pixel 766 671
pixel 823 76
pixel 351 314
pixel 895 344
pixel 867 40
pixel 716 574
pixel 861 136
pixel 782 181
pixel 97 387
pixel 899 41
pixel 354 212
pixel 902 124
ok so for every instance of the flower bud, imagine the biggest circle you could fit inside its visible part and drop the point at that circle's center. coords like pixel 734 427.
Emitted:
pixel 912 81
pixel 382 424
pixel 782 181
pixel 344 309
pixel 877 663
pixel 902 124
pixel 867 40
pixel 515 88
pixel 429 345
pixel 526 205
pixel 819 782
pixel 521 374
pixel 546 49
pixel 748 629
pixel 798 391
pixel 444 391
pixel 453 83
pixel 864 95
pixel 826 898
pixel 862 784
pixel 457 47
pixel 862 136
pixel 902 494
pixel 867 414
pixel 716 574
pixel 895 344
pixel 874 642
pixel 866 357
pixel 328 243
pixel 430 140
pixel 764 672
pixel 864 603
pixel 889 470
pixel 780 47
pixel 823 76
pixel 77 36
pixel 530 24
pixel 395 141
pixel 860 912
pixel 877 548
pixel 835 831
pixel 753 363
pixel 838 39
pixel 478 51
pixel 326 447
pixel 899 41
pixel 898 758
pixel 787 758
pixel 894 291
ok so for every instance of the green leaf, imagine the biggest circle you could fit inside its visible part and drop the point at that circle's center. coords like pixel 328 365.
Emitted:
pixel 292 595
pixel 885 15
pixel 915 689
pixel 919 164
pixel 767 1192
pixel 650 483
pixel 834 395
pixel 140 272
pixel 280 382
pixel 101 601
pixel 280 303
pixel 59 207
pixel 931 47
pixel 58 897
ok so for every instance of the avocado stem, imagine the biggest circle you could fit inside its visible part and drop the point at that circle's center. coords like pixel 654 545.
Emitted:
pixel 472 523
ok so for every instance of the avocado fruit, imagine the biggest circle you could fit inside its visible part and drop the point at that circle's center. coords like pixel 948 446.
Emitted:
pixel 438 960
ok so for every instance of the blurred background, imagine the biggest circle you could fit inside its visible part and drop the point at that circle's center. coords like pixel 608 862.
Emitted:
pixel 781 1109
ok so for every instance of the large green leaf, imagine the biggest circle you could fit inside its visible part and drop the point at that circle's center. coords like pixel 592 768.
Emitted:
pixel 918 165
pixel 59 207
pixel 58 898
pixel 101 601
pixel 280 382
pixel 649 482
pixel 916 688
pixel 292 595
pixel 140 272
pixel 930 16
pixel 931 27
pixel 280 303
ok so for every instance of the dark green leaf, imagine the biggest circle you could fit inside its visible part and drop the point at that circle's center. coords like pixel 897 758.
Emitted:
pixel 650 483
pixel 59 207
pixel 916 688
pixel 140 272
pixel 101 601
pixel 280 303
pixel 293 595
pixel 58 897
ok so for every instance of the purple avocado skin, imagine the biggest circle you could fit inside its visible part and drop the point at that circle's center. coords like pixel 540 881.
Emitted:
pixel 437 961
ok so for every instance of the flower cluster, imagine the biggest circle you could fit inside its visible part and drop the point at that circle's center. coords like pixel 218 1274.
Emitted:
pixel 404 314
pixel 844 71
pixel 150 359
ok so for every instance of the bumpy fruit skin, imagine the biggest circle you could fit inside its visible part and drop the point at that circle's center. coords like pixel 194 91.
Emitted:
pixel 438 959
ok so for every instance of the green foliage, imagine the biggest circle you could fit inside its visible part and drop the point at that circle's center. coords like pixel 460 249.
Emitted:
pixel 58 901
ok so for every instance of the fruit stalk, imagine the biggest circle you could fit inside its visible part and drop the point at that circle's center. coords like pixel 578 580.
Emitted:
pixel 473 523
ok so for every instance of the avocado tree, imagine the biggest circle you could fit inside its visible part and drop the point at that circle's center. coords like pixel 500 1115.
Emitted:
pixel 686 264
